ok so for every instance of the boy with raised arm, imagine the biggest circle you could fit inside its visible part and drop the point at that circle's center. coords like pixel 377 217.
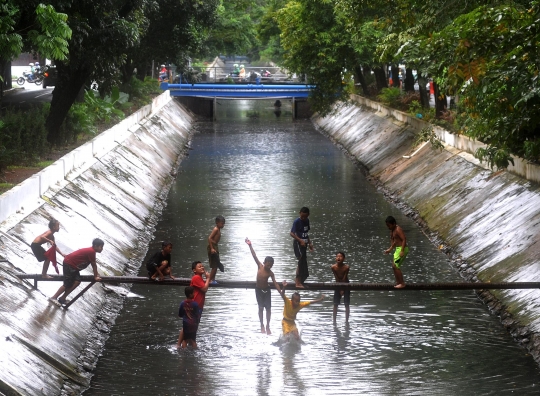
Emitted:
pixel 212 249
pixel 40 253
pixel 299 232
pixel 290 309
pixel 262 291
pixel 73 264
pixel 341 273
pixel 399 241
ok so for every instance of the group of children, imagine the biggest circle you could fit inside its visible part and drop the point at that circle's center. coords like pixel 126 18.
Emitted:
pixel 159 266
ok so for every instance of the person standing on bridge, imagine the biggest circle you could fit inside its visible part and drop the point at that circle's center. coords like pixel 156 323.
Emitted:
pixel 299 232
pixel 399 241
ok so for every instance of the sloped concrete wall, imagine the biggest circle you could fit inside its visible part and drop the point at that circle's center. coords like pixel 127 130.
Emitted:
pixel 46 350
pixel 488 222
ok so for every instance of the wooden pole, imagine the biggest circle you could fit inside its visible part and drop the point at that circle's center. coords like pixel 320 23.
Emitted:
pixel 228 284
pixel 80 294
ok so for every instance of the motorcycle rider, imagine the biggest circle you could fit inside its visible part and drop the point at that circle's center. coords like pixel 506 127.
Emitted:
pixel 32 71
pixel 163 73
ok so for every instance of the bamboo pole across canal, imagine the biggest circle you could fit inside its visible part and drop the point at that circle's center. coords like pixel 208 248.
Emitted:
pixel 231 284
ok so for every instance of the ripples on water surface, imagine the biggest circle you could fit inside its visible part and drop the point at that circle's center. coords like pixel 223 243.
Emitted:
pixel 258 170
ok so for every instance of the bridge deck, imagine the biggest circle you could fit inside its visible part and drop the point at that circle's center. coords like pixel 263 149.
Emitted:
pixel 238 90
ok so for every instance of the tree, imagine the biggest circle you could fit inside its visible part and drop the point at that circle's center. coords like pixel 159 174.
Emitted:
pixel 33 27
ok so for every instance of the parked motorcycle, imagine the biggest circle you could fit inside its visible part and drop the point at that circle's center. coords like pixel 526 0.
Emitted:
pixel 36 78
pixel 266 73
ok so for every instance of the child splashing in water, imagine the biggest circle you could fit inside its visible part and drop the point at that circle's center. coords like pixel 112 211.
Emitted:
pixel 290 309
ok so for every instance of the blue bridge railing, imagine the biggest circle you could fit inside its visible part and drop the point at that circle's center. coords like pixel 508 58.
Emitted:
pixel 238 90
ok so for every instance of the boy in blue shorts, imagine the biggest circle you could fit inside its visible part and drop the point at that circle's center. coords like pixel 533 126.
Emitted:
pixel 399 241
pixel 341 273
pixel 190 313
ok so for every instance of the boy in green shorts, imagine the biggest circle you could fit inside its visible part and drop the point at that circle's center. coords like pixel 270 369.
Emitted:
pixel 399 241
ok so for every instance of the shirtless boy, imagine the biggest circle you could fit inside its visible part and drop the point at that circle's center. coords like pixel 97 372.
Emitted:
pixel 399 241
pixel 341 273
pixel 212 249
pixel 262 291
pixel 39 252
pixel 290 309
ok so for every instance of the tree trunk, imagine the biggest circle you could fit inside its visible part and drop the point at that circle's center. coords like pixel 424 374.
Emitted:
pixel 409 80
pixel 68 85
pixel 440 101
pixel 424 93
pixel 359 76
pixel 380 78
pixel 395 76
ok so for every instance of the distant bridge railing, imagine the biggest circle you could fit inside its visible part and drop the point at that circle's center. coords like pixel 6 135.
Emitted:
pixel 238 90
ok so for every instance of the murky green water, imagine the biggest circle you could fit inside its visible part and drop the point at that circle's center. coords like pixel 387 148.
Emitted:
pixel 257 170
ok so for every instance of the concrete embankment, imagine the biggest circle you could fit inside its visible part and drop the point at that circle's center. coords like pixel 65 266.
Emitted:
pixel 114 189
pixel 487 222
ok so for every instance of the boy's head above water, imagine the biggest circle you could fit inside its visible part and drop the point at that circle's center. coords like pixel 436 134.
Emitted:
pixel 390 222
pixel 295 299
pixel 340 257
pixel 220 221
pixel 268 262
pixel 304 212
pixel 197 267
pixel 189 292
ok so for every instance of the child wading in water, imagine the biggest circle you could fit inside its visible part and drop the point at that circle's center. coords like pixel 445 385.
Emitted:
pixel 39 252
pixel 341 273
pixel 212 249
pixel 290 309
pixel 190 313
pixel 399 241
pixel 262 291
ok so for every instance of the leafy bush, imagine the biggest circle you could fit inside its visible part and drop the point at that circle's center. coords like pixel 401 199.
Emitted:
pixel 23 137
pixel 427 135
pixel 390 96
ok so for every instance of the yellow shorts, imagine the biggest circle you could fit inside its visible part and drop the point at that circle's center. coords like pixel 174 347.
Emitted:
pixel 288 326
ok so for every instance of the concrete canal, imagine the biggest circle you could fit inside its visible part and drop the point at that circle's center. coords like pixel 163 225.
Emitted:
pixel 257 168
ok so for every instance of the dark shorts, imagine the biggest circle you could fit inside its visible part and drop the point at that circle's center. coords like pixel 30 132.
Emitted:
pixel 71 275
pixel 264 298
pixel 213 259
pixel 190 336
pixel 38 251
pixel 346 297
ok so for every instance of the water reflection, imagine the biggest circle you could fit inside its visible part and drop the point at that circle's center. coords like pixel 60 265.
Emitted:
pixel 258 172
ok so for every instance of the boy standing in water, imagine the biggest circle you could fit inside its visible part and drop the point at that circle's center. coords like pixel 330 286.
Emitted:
pixel 190 313
pixel 262 291
pixel 200 287
pixel 399 241
pixel 341 273
pixel 39 252
pixel 299 232
pixel 290 309
pixel 73 264
pixel 212 249
pixel 160 263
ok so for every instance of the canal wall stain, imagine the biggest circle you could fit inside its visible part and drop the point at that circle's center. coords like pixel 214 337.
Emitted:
pixel 487 222
pixel 45 349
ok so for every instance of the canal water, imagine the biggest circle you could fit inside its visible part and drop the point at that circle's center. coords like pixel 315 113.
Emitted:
pixel 257 168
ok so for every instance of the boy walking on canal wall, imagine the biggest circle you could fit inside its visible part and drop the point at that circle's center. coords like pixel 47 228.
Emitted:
pixel 299 232
pixel 73 264
pixel 40 253
pixel 212 249
pixel 262 291
pixel 399 241
pixel 190 313
pixel 341 273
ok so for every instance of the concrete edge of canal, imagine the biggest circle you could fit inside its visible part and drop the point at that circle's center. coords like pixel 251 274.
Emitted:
pixel 118 198
pixel 487 222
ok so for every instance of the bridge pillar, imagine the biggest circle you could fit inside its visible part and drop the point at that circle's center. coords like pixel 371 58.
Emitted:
pixel 301 109
pixel 203 107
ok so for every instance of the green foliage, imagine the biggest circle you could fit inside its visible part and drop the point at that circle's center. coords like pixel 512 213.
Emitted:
pixel 11 43
pixel 427 135
pixel 23 137
pixel 52 41
pixel 494 156
pixel 390 96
